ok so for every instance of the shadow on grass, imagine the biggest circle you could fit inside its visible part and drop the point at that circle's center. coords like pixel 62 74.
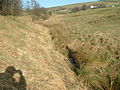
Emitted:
pixel 9 82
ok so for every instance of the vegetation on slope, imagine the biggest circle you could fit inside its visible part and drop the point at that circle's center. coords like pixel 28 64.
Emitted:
pixel 111 0
pixel 10 7
pixel 28 46
pixel 94 38
pixel 80 4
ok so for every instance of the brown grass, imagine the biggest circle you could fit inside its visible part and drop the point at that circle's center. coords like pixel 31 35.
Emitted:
pixel 95 37
pixel 29 47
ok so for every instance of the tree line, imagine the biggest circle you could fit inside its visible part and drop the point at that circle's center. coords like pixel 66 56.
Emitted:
pixel 15 8
pixel 10 7
pixel 34 9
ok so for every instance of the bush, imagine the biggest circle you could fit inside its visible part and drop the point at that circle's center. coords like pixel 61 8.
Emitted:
pixel 41 13
pixel 84 7
pixel 10 7
pixel 76 9
pixel 37 12
pixel 100 5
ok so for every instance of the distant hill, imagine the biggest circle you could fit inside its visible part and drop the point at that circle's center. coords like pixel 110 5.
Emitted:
pixel 79 4
pixel 111 0
pixel 94 39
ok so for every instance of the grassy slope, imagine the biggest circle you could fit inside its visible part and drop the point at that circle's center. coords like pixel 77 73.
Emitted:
pixel 79 4
pixel 95 31
pixel 103 20
pixel 112 0
pixel 29 47
pixel 95 36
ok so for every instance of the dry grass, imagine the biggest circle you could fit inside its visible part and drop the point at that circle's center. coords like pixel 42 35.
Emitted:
pixel 29 47
pixel 95 37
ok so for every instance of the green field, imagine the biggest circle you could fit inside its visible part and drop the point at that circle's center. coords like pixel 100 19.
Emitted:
pixel 80 4
pixel 70 51
pixel 102 20
pixel 94 37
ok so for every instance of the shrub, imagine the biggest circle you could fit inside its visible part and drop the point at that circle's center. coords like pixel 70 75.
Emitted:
pixel 75 9
pixel 100 5
pixel 84 7
pixel 37 12
pixel 10 7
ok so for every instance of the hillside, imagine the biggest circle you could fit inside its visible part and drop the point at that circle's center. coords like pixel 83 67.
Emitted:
pixel 80 4
pixel 93 39
pixel 72 51
pixel 111 0
pixel 28 46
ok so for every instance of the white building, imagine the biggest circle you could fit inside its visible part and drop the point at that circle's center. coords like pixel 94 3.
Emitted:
pixel 92 7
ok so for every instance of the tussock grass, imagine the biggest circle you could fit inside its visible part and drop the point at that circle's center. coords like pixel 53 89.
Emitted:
pixel 95 37
pixel 28 46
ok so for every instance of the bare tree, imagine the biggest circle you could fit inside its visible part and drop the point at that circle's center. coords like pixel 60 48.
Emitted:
pixel 10 7
pixel 17 7
pixel 28 6
pixel 37 11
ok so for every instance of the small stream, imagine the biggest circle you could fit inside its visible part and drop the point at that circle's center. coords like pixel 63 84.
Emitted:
pixel 72 58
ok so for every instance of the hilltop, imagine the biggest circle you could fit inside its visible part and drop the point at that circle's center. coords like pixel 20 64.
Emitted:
pixel 80 4
pixel 111 0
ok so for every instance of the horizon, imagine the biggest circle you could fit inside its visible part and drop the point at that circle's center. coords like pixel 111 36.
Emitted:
pixel 53 3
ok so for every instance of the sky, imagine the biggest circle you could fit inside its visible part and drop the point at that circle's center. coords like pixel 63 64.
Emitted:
pixel 53 3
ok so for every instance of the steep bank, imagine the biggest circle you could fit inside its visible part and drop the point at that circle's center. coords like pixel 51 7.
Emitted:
pixel 29 47
pixel 93 41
